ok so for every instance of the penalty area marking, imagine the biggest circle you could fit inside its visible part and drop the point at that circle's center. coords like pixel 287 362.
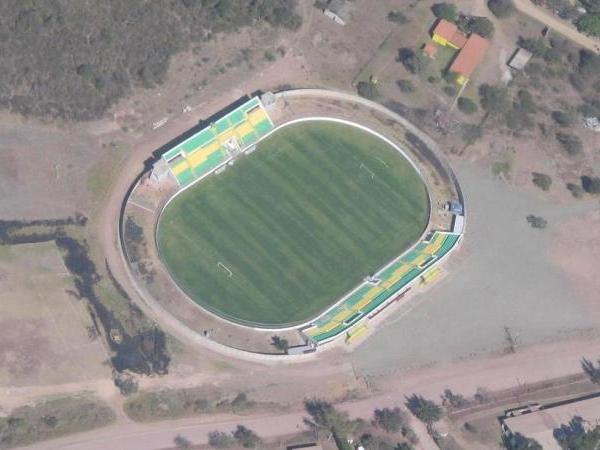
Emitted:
pixel 225 268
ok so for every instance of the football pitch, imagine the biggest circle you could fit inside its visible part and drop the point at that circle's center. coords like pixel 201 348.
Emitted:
pixel 289 229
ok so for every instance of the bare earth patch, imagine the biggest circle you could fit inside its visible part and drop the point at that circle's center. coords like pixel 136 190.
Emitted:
pixel 43 328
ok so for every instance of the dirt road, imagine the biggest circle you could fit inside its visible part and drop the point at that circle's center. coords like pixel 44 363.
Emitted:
pixel 557 24
pixel 530 365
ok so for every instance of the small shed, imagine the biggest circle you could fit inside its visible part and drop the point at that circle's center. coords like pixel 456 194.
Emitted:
pixel 430 50
pixel 340 11
pixel 520 59
pixel 455 207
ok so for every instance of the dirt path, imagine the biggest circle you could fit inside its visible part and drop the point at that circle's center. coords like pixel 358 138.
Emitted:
pixel 562 27
pixel 528 366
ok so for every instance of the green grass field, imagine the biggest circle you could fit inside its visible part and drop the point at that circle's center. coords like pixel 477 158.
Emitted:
pixel 300 222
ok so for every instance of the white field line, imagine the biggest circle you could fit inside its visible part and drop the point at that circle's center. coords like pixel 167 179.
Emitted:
pixel 140 206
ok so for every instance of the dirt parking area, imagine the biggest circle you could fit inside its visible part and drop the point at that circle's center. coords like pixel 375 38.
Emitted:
pixel 43 328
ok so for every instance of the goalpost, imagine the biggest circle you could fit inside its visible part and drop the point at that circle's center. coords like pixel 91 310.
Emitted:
pixel 222 266
pixel 369 171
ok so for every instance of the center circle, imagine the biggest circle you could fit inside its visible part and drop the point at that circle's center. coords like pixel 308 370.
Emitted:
pixel 288 230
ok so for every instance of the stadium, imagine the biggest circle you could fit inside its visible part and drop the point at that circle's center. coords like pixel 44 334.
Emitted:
pixel 299 221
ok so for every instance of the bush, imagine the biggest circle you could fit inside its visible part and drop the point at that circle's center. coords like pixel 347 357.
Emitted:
pixel 405 85
pixel 501 8
pixel 591 185
pixel 537 221
pixel 541 180
pixel 410 60
pixel 397 17
pixel 367 90
pixel 218 439
pixel 246 437
pixel 478 25
pixel 570 143
pixel 467 106
pixel 564 119
pixel 445 11
pixel 525 102
pixel 390 420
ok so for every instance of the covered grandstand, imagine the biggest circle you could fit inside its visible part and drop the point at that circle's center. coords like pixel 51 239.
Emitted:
pixel 216 144
pixel 382 288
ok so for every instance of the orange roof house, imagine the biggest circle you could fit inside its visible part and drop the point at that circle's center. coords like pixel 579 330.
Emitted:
pixel 471 49
pixel 447 34
pixel 469 57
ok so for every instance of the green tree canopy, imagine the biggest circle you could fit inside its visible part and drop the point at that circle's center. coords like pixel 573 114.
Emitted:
pixel 445 11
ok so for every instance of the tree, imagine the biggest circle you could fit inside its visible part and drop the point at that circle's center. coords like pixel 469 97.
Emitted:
pixel 516 441
pixel 525 102
pixel 246 437
pixel 537 221
pixel 574 435
pixel 478 25
pixel 591 185
pixel 454 400
pixel 589 24
pixel 570 143
pixel 410 60
pixel 324 417
pixel 397 17
pixel 541 180
pixel 424 410
pixel 445 11
pixel 367 90
pixel 493 99
pixel 471 133
pixel 467 106
pixel 501 8
pixel 280 344
pixel 449 90
pixel 390 420
pixel 218 439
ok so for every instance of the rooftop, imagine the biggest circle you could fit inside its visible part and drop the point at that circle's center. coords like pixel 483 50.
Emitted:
pixel 470 55
pixel 540 425
pixel 450 32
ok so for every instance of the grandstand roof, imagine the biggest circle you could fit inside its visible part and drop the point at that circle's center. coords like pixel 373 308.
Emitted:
pixel 470 55
pixel 450 32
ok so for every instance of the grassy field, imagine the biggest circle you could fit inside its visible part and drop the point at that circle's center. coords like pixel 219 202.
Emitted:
pixel 298 223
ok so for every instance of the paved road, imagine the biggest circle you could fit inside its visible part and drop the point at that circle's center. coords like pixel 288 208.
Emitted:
pixel 557 24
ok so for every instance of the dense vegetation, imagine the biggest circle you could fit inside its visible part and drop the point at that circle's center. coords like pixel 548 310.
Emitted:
pixel 74 59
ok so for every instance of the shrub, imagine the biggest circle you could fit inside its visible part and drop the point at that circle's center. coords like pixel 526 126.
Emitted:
pixel 445 11
pixel 501 8
pixel 570 143
pixel 410 60
pixel 564 119
pixel 591 185
pixel 541 180
pixel 397 17
pixel 218 439
pixel 405 85
pixel 367 90
pixel 467 106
